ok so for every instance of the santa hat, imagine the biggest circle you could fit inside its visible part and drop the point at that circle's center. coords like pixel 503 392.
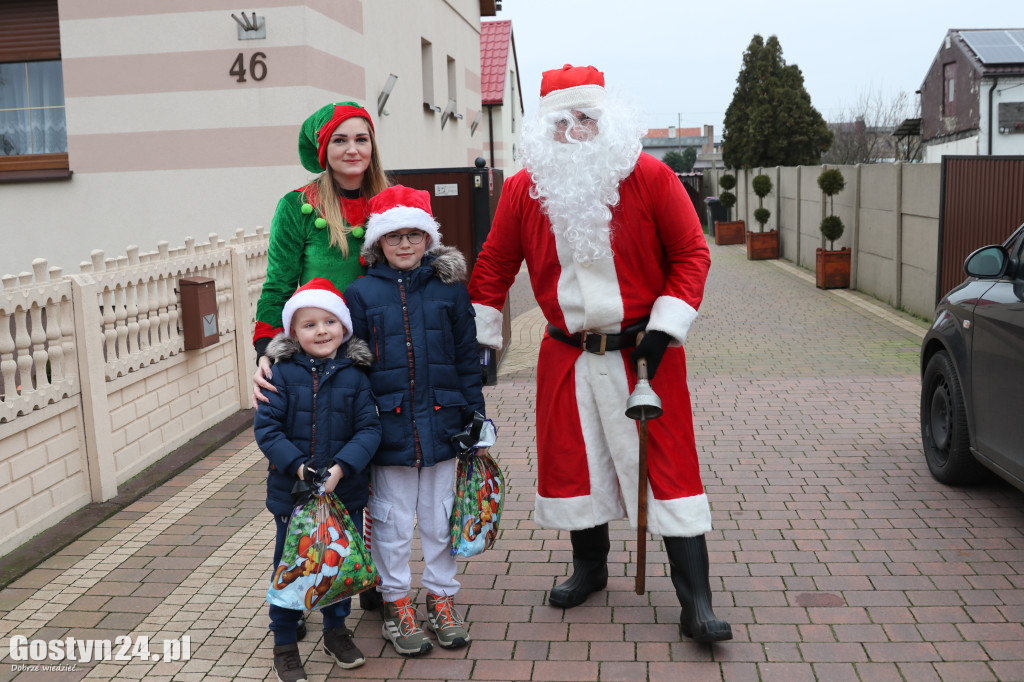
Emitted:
pixel 571 87
pixel 399 207
pixel 318 293
pixel 317 129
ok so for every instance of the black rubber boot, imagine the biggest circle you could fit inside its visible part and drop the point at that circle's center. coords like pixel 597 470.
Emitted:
pixel 688 559
pixel 589 567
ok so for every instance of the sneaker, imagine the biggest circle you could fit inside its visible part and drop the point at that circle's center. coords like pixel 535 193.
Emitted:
pixel 288 663
pixel 446 622
pixel 339 645
pixel 401 628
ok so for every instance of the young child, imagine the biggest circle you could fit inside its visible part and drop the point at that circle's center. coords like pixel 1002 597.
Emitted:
pixel 413 308
pixel 322 416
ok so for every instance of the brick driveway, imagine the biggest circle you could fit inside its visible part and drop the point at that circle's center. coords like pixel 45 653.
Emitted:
pixel 835 556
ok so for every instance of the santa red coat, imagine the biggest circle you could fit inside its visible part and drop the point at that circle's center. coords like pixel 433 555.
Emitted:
pixel 586 446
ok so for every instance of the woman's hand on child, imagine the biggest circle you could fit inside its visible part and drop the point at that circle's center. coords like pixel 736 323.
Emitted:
pixel 261 379
pixel 334 478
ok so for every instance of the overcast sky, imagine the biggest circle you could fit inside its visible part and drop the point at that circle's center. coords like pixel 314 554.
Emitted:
pixel 677 60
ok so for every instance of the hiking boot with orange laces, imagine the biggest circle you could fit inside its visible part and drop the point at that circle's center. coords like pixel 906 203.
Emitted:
pixel 401 628
pixel 446 622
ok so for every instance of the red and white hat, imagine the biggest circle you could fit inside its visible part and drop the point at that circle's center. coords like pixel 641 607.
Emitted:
pixel 571 87
pixel 318 293
pixel 398 207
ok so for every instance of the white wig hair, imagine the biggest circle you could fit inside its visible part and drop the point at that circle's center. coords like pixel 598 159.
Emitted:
pixel 577 182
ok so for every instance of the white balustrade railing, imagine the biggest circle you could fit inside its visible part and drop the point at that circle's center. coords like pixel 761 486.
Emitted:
pixel 138 305
pixel 37 346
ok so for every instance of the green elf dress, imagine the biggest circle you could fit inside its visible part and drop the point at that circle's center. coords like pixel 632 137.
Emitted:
pixel 300 239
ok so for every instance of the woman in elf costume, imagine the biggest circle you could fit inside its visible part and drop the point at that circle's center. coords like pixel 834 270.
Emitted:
pixel 317 230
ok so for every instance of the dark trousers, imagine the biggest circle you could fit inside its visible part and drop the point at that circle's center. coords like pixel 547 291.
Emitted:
pixel 284 622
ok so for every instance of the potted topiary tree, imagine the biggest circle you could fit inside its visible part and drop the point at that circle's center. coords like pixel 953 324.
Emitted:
pixel 731 231
pixel 832 265
pixel 762 244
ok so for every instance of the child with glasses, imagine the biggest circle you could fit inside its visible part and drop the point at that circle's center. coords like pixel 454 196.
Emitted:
pixel 413 310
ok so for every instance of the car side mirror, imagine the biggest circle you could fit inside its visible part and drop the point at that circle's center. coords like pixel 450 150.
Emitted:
pixel 987 262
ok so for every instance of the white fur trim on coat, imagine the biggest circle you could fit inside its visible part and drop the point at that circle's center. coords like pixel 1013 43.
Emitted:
pixel 400 217
pixel 489 324
pixel 673 316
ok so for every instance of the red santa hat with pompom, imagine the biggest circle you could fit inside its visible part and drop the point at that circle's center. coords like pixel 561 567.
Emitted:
pixel 571 87
pixel 318 293
pixel 399 207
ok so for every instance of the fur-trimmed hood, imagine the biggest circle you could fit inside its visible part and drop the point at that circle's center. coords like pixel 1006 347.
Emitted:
pixel 283 347
pixel 448 262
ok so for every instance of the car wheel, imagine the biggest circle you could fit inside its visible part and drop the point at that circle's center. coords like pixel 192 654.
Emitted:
pixel 947 444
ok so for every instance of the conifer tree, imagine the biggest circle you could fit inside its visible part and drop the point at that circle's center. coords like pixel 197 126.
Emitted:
pixel 770 121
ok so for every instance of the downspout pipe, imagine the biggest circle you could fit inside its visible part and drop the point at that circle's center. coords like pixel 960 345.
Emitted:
pixel 991 90
pixel 491 131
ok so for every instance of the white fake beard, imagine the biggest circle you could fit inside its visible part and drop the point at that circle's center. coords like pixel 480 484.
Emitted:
pixel 577 183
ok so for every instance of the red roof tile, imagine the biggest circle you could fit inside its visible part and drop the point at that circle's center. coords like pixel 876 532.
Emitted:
pixel 495 38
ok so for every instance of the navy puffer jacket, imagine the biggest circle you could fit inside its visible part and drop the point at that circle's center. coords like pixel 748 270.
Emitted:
pixel 339 423
pixel 426 374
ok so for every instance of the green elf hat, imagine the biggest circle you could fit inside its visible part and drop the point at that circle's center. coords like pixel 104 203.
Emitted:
pixel 316 131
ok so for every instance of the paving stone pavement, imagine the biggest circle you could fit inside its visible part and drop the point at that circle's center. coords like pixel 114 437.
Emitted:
pixel 835 555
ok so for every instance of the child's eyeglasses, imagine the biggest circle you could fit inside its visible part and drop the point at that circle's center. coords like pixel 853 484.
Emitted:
pixel 394 239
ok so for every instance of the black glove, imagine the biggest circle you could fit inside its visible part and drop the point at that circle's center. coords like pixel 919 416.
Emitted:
pixel 651 348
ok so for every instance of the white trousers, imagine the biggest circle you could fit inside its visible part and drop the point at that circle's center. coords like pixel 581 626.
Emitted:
pixel 405 497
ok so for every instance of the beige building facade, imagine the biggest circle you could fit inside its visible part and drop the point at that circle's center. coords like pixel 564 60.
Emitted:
pixel 180 122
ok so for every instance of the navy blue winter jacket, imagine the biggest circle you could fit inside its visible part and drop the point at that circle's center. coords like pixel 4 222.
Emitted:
pixel 341 417
pixel 426 374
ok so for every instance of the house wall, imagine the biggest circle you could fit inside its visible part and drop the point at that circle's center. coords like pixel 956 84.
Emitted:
pixel 966 90
pixel 1006 140
pixel 162 139
pixel 968 146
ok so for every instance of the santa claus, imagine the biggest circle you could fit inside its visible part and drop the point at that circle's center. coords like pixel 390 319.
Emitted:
pixel 613 247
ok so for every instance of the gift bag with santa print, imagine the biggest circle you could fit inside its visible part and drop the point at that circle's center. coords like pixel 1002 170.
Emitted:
pixel 479 490
pixel 324 559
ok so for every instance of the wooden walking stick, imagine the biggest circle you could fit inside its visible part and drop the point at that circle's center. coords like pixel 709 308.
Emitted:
pixel 642 404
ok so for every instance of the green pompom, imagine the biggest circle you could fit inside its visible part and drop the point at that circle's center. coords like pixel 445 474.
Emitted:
pixel 320 222
pixel 358 232
pixel 307 209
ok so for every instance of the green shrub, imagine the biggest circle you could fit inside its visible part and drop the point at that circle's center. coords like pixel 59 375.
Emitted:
pixel 761 215
pixel 727 199
pixel 727 181
pixel 762 185
pixel 832 227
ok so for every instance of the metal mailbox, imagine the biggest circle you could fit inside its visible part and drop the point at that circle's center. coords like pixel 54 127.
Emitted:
pixel 198 311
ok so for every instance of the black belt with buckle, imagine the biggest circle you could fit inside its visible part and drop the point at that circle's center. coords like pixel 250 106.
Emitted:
pixel 598 342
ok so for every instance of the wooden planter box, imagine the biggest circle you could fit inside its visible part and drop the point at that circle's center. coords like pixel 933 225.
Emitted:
pixel 832 268
pixel 729 232
pixel 762 245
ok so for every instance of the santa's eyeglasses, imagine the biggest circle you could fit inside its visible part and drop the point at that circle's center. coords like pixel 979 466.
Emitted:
pixel 579 117
pixel 394 238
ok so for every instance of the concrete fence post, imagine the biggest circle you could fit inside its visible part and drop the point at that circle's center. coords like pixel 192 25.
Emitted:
pixel 898 207
pixel 855 239
pixel 99 447
pixel 242 306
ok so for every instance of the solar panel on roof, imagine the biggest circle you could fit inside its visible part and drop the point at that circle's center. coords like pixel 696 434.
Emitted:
pixel 996 46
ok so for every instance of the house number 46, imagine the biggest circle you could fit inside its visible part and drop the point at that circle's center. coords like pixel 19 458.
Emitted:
pixel 257 67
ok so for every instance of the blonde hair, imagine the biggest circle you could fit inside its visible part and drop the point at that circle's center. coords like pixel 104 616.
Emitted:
pixel 374 182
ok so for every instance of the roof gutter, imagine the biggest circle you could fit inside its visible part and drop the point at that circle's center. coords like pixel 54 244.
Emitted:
pixel 995 82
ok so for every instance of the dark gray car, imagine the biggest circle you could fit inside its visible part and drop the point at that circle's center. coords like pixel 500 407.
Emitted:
pixel 972 371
